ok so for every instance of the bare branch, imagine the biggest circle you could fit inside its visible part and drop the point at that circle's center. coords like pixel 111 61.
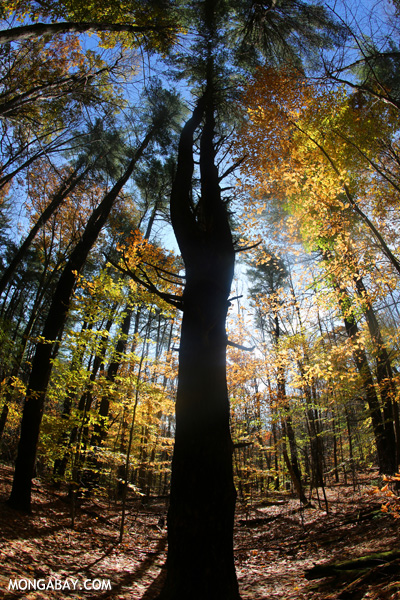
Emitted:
pixel 172 299
pixel 239 346
pixel 232 168
pixel 247 248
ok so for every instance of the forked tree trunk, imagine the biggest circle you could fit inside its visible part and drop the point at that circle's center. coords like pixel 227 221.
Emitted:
pixel 200 563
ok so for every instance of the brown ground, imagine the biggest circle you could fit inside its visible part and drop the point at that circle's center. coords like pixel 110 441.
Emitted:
pixel 272 556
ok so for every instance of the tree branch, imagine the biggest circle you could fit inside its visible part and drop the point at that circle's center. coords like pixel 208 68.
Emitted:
pixel 235 165
pixel 27 32
pixel 172 299
pixel 247 248
pixel 239 346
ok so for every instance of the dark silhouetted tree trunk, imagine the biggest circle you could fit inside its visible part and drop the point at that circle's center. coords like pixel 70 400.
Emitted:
pixel 200 561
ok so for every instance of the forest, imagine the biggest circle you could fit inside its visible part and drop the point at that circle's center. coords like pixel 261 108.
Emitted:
pixel 200 299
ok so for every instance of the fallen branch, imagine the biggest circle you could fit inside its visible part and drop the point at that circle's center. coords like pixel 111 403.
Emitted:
pixel 356 566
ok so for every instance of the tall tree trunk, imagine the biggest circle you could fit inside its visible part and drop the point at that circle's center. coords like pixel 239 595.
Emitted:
pixel 20 497
pixel 60 463
pixel 384 373
pixel 200 562
pixel 100 428
pixel 65 189
pixel 384 439
pixel 335 451
pixel 84 461
pixel 287 427
pixel 3 416
pixel 386 452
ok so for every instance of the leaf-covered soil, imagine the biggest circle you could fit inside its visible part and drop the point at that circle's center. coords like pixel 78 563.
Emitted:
pixel 275 544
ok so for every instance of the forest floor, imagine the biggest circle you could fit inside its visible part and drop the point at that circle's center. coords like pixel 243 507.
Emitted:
pixel 275 544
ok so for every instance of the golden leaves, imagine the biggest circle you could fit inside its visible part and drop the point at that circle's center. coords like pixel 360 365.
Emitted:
pixel 391 506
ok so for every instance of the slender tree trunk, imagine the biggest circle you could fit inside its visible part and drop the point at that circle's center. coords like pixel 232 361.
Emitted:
pixel 287 427
pixel 384 374
pixel 316 450
pixel 60 464
pixel 350 438
pixel 100 429
pixel 65 189
pixel 385 450
pixel 384 439
pixel 113 371
pixel 335 451
pixel 131 431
